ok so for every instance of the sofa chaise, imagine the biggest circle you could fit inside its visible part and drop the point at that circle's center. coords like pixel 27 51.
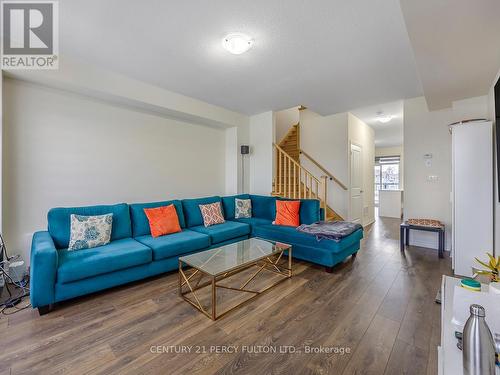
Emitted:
pixel 133 254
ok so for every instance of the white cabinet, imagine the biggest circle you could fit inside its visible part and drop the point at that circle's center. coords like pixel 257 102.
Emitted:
pixel 449 356
pixel 472 195
pixel 390 203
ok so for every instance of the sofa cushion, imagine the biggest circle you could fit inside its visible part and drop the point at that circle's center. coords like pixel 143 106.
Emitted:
pixel 117 255
pixel 59 221
pixel 291 236
pixel 223 232
pixel 175 244
pixel 191 209
pixel 254 221
pixel 309 210
pixel 140 222
pixel 263 207
pixel 228 204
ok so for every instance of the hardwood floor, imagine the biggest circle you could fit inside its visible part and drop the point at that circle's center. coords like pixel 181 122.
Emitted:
pixel 378 308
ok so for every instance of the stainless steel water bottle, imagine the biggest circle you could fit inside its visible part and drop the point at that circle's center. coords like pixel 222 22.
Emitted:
pixel 478 345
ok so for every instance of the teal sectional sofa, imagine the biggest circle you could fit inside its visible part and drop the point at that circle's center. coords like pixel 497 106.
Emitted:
pixel 133 254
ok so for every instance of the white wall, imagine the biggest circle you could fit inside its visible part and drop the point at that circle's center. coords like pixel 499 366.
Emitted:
pixel 325 138
pixel 232 158
pixel 1 150
pixel 496 204
pixel 394 151
pixel 363 135
pixel 426 132
pixel 261 135
pixel 62 149
pixel 389 151
pixel 285 119
pixel 471 108
pixel 237 165
pixel 79 77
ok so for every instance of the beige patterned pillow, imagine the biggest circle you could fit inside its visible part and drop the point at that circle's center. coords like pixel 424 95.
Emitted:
pixel 243 208
pixel 212 214
pixel 90 231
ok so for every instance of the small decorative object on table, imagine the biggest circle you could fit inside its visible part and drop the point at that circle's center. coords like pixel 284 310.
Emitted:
pixel 492 271
pixel 478 345
pixel 471 284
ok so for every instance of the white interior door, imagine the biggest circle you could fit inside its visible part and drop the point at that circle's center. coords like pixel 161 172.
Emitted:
pixel 356 191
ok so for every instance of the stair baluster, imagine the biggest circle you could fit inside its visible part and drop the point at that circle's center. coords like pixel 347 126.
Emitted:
pixel 294 181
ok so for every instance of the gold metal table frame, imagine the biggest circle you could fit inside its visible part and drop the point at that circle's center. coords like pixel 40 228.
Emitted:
pixel 269 263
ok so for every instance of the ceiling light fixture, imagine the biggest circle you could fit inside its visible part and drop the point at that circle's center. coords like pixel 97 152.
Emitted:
pixel 237 43
pixel 384 119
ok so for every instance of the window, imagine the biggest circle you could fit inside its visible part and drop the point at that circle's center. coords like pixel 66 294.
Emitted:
pixel 386 174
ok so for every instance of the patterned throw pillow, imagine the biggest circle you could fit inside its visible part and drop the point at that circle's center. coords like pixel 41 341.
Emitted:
pixel 212 214
pixel 426 223
pixel 242 208
pixel 90 231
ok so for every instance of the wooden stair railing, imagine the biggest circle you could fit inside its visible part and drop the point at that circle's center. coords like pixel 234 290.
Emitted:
pixel 323 169
pixel 294 181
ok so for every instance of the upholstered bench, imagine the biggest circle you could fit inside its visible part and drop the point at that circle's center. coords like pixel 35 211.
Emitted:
pixel 427 225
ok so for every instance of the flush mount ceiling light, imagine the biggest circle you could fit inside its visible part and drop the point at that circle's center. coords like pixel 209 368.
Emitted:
pixel 384 119
pixel 237 43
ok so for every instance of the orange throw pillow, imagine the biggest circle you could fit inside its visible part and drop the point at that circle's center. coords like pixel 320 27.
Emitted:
pixel 163 220
pixel 287 213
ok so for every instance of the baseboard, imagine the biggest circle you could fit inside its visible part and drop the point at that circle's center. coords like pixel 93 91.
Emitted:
pixel 431 244
pixel 369 223
pixel 423 243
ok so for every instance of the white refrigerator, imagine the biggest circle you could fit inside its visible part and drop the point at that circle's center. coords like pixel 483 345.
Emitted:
pixel 472 194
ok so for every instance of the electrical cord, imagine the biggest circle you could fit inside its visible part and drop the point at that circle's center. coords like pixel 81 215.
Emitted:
pixel 12 301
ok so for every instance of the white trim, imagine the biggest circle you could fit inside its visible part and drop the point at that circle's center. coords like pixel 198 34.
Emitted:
pixel 423 243
pixel 430 244
pixel 369 223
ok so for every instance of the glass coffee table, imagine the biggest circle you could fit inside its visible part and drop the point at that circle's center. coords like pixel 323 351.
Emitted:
pixel 221 263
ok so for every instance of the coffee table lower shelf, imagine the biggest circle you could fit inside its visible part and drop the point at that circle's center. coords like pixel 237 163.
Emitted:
pixel 187 279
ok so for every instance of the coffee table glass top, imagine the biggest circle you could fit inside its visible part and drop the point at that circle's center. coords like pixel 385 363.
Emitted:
pixel 229 257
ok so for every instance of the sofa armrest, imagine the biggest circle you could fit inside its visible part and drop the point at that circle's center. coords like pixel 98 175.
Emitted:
pixel 43 269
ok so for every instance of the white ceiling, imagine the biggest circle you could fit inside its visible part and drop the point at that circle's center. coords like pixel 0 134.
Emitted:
pixel 329 55
pixel 456 45
pixel 389 134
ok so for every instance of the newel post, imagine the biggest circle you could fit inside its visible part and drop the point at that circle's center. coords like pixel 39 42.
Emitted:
pixel 324 182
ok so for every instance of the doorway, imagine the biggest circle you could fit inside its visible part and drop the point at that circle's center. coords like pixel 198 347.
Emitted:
pixel 356 191
pixel 387 175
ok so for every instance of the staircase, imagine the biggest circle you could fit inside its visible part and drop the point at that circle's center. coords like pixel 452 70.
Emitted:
pixel 294 181
pixel 290 143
